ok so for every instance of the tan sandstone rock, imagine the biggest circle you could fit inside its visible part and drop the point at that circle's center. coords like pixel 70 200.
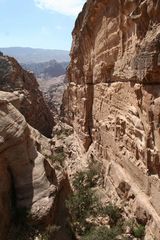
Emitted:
pixel 27 178
pixel 13 78
pixel 113 96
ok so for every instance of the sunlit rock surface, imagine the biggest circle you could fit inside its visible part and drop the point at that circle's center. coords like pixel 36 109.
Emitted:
pixel 113 98
pixel 28 179
pixel 13 78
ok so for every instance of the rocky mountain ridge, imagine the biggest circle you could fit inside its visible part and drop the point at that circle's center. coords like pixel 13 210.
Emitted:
pixel 46 70
pixel 28 55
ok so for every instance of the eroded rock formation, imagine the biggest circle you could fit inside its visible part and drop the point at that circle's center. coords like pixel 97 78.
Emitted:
pixel 113 97
pixel 29 180
pixel 32 105
pixel 53 90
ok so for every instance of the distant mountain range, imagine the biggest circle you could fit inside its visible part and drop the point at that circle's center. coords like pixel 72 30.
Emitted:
pixel 36 55
pixel 46 70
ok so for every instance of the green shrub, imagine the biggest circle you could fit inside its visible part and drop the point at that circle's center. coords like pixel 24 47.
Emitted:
pixel 93 174
pixel 82 203
pixel 138 231
pixel 88 178
pixel 79 181
pixel 113 212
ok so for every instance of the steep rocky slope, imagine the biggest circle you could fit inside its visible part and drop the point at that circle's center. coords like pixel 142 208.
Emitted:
pixel 32 105
pixel 113 99
pixel 29 181
pixel 33 187
pixel 53 90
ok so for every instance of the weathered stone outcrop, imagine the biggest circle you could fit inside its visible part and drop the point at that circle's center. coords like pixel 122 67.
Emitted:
pixel 13 78
pixel 53 90
pixel 113 97
pixel 27 179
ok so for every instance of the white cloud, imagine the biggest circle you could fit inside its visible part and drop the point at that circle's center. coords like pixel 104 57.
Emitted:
pixel 66 7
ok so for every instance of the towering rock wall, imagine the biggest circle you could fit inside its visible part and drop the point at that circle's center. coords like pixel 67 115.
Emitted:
pixel 13 78
pixel 113 98
pixel 29 180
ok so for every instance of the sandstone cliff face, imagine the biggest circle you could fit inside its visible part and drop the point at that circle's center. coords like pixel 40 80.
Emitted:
pixel 113 97
pixel 27 179
pixel 14 79
pixel 53 90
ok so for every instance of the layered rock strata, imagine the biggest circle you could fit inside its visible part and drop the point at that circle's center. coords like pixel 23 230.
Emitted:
pixel 28 180
pixel 13 78
pixel 113 98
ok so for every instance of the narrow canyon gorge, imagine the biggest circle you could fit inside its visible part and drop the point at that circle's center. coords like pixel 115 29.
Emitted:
pixel 106 140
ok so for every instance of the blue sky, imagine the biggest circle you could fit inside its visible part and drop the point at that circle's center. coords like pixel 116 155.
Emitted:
pixel 38 23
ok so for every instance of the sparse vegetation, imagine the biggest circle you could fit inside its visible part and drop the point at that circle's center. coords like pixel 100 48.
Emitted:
pixel 94 174
pixel 138 231
pixel 113 212
pixel 58 156
pixel 102 233
pixel 85 208
pixel 63 132
pixel 83 205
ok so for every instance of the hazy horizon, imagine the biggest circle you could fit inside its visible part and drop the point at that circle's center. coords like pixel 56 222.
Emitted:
pixel 67 50
pixel 36 55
